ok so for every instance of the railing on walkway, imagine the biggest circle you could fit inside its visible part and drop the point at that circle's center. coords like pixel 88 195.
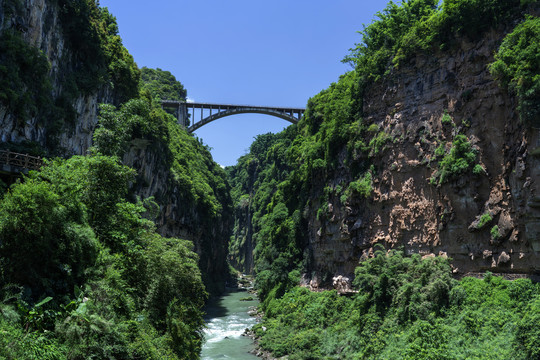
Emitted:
pixel 24 161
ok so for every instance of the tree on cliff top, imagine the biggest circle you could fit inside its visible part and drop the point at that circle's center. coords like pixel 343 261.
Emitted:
pixel 517 67
pixel 162 84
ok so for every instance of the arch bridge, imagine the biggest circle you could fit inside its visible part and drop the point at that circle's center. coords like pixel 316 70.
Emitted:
pixel 213 111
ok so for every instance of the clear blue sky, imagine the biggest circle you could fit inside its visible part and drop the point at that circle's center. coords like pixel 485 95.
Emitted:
pixel 275 53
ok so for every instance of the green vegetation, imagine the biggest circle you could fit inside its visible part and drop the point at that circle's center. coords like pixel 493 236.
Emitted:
pixel 457 161
pixel 162 84
pixel 373 128
pixel 92 35
pixel 83 271
pixel 377 142
pixel 495 234
pixel 189 174
pixel 89 276
pixel 484 220
pixel 415 26
pixel 25 147
pixel 446 118
pixel 517 67
pixel 98 59
pixel 254 183
pixel 361 187
pixel 134 120
pixel 24 84
pixel 201 180
pixel 478 170
pixel 406 308
pixel 440 150
pixel 288 178
pixel 272 187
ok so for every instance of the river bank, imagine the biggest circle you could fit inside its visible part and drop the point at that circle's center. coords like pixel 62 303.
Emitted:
pixel 259 352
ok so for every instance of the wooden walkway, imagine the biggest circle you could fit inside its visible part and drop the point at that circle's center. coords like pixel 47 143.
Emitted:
pixel 23 161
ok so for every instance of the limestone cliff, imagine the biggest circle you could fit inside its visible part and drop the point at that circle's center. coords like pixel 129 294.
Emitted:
pixel 38 23
pixel 179 215
pixel 406 210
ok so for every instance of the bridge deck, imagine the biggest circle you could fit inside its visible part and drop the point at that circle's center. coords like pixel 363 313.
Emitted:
pixel 218 106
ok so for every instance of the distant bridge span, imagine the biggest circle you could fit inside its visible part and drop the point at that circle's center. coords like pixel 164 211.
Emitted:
pixel 292 115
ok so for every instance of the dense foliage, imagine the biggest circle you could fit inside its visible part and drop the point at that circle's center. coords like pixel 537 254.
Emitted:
pixel 284 179
pixel 517 66
pixel 97 59
pixel 457 161
pixel 407 308
pixel 254 183
pixel 84 275
pixel 98 54
pixel 24 85
pixel 162 84
pixel 289 176
pixel 190 177
pixel 83 271
pixel 414 26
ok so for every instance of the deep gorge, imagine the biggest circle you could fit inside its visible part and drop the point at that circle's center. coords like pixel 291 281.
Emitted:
pixel 413 171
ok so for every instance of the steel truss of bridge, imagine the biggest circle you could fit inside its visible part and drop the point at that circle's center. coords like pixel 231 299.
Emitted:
pixel 213 111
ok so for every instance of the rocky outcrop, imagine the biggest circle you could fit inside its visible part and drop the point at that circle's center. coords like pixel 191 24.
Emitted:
pixel 38 21
pixel 409 212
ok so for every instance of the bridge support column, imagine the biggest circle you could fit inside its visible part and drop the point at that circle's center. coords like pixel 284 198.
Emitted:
pixel 183 117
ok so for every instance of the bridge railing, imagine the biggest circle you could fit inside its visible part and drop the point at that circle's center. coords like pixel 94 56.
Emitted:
pixel 24 161
pixel 192 121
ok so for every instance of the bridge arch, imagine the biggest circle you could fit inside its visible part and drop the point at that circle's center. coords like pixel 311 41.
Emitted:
pixel 292 115
pixel 231 112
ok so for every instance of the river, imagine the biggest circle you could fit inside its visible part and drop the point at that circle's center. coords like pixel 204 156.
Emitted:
pixel 227 318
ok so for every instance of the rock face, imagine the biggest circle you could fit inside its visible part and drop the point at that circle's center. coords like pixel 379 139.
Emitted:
pixel 409 212
pixel 242 258
pixel 180 217
pixel 40 27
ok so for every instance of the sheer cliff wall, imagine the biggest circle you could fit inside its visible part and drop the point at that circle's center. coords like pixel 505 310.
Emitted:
pixel 442 219
pixel 38 23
